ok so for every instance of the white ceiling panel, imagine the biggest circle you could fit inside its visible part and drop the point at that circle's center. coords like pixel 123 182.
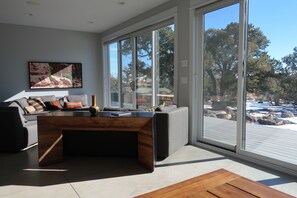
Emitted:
pixel 79 15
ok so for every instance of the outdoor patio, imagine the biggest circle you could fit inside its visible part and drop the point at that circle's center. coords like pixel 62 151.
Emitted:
pixel 278 142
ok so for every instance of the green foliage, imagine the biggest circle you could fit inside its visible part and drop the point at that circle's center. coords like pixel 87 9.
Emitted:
pixel 291 61
pixel 114 84
pixel 165 57
pixel 266 76
pixel 221 61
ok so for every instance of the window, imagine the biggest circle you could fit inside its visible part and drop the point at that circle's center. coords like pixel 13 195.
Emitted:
pixel 246 79
pixel 271 93
pixel 141 68
pixel 219 65
pixel 114 74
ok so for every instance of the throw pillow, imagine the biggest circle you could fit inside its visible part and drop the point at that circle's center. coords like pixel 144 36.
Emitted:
pixel 78 98
pixel 73 105
pixel 30 109
pixel 40 101
pixel 53 105
pixel 23 102
pixel 37 104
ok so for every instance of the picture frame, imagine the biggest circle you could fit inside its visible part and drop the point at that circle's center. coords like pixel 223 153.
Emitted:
pixel 54 75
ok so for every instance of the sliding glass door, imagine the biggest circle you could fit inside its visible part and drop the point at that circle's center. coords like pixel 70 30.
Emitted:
pixel 246 79
pixel 127 73
pixel 144 71
pixel 219 66
pixel 141 69
pixel 164 65
pixel 271 122
pixel 114 81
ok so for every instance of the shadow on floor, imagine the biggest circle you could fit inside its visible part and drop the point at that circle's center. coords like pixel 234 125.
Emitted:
pixel 22 169
pixel 190 162
pixel 273 181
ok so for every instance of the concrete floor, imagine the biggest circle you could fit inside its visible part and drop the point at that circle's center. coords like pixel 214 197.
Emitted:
pixel 89 176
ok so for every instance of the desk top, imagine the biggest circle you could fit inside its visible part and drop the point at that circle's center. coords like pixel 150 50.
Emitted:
pixel 220 183
pixel 133 114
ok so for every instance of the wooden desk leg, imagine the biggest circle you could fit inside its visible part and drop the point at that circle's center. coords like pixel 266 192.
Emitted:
pixel 146 146
pixel 50 143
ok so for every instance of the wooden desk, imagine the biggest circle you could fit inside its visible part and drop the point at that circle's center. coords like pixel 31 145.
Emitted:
pixel 220 183
pixel 51 126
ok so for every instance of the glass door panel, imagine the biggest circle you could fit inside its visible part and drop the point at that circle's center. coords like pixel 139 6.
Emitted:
pixel 144 72
pixel 127 74
pixel 141 69
pixel 113 74
pixel 220 75
pixel 271 113
pixel 165 65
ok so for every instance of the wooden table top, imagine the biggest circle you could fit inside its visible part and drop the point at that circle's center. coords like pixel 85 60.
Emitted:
pixel 220 183
pixel 134 114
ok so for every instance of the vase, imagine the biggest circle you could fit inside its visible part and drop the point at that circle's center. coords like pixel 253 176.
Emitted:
pixel 94 109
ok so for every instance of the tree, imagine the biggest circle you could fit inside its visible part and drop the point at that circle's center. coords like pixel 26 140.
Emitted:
pixel 221 63
pixel 289 79
pixel 165 56
pixel 291 61
pixel 114 84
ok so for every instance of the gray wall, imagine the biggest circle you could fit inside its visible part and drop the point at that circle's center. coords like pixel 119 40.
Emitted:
pixel 20 44
pixel 183 41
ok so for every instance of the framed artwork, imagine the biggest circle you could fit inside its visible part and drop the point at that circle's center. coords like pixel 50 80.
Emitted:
pixel 55 75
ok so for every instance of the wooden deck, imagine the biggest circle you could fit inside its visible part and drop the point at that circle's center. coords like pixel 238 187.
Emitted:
pixel 220 183
pixel 269 141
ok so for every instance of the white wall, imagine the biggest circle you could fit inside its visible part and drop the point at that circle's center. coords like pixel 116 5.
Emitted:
pixel 20 44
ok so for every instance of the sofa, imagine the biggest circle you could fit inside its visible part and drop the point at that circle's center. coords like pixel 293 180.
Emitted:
pixel 171 132
pixel 19 118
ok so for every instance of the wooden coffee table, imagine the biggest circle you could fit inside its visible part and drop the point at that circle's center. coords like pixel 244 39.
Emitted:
pixel 51 126
pixel 220 183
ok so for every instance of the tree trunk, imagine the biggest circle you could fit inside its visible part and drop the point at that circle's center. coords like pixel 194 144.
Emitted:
pixel 213 91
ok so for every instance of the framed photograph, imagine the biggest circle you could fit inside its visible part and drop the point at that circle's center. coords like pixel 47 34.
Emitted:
pixel 55 75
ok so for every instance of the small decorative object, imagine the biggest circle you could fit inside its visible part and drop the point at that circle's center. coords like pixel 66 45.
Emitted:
pixel 94 108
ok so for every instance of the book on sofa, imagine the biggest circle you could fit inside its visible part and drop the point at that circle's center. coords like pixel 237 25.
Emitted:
pixel 120 113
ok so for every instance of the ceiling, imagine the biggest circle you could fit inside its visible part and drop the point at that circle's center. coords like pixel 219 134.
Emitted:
pixel 79 15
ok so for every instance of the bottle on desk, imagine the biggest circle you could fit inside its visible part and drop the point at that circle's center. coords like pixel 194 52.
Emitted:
pixel 94 109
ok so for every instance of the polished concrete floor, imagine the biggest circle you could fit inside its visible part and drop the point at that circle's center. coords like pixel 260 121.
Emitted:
pixel 91 176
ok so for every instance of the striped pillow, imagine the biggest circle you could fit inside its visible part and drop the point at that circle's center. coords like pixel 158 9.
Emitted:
pixel 30 109
pixel 37 104
pixel 73 105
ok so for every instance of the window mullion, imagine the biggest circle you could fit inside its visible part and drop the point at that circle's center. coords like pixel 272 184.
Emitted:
pixel 134 70
pixel 120 79
pixel 107 96
pixel 242 60
pixel 154 69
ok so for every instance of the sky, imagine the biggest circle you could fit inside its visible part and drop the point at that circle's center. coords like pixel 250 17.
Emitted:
pixel 113 48
pixel 276 19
